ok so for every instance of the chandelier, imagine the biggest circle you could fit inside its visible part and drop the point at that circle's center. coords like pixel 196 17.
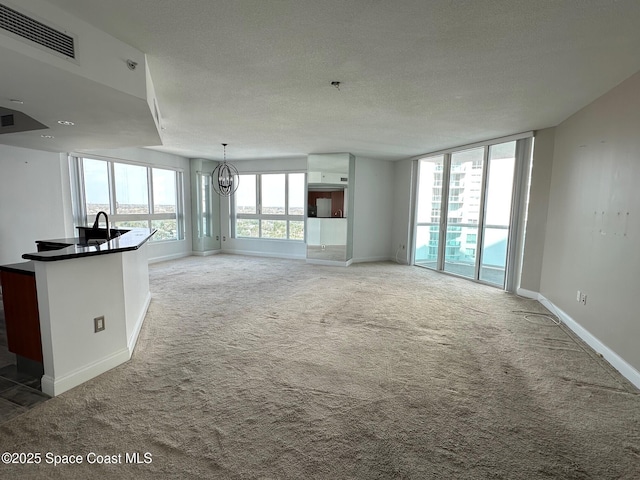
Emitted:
pixel 224 178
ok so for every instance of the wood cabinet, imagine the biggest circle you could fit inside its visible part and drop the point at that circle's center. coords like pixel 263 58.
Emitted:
pixel 22 319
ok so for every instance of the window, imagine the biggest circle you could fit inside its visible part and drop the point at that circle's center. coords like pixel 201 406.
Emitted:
pixel 133 196
pixel 469 229
pixel 270 205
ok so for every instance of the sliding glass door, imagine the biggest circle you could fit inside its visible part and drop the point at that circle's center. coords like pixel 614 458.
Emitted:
pixel 428 212
pixel 497 213
pixel 464 212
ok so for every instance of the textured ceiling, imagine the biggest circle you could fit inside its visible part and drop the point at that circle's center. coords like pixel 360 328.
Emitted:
pixel 417 75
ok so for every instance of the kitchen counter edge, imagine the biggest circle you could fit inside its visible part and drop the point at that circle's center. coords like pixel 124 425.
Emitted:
pixel 70 247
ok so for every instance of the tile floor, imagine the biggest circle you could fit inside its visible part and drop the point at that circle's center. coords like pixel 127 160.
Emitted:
pixel 18 391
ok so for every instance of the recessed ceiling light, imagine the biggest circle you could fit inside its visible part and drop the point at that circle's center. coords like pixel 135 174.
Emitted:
pixel 15 100
pixel 65 122
pixel 47 136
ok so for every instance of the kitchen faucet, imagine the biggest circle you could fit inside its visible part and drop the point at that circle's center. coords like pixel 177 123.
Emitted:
pixel 96 224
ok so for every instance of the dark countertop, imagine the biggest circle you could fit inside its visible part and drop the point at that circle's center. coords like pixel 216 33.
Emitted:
pixel 25 268
pixel 72 248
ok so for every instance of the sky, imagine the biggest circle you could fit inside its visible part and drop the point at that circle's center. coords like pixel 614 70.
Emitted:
pixel 131 183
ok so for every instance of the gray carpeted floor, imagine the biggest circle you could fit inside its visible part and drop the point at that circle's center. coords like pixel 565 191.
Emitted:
pixel 265 368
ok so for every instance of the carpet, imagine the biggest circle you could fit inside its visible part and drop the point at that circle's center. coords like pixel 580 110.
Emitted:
pixel 257 368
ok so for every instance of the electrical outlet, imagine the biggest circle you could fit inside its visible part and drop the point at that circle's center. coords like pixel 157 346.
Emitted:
pixel 583 299
pixel 98 324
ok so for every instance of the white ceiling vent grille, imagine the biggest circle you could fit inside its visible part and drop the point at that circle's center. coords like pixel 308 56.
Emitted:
pixel 26 27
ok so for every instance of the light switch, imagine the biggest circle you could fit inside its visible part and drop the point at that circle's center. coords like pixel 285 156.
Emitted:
pixel 98 324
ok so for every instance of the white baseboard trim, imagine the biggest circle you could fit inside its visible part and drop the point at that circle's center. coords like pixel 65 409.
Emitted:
pixel 399 261
pixel 329 263
pixel 371 259
pixel 165 258
pixel 59 385
pixel 206 254
pixel 252 253
pixel 629 372
pixel 523 292
pixel 133 340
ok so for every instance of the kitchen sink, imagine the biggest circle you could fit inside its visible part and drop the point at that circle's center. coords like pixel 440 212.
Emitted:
pixel 92 236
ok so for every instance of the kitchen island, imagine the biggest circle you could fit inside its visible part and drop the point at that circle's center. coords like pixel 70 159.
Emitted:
pixel 92 298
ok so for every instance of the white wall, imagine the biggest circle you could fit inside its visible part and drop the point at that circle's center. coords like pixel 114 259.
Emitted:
pixel 135 286
pixel 159 251
pixel 593 225
pixel 540 182
pixel 275 165
pixel 403 201
pixel 34 197
pixel 372 210
pixel 262 247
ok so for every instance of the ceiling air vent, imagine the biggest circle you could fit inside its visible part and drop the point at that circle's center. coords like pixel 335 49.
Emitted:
pixel 31 29
pixel 13 121
pixel 7 121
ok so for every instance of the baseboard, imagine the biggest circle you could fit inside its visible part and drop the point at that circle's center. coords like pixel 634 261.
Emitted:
pixel 329 263
pixel 206 254
pixel 399 261
pixel 59 385
pixel 252 253
pixel 523 292
pixel 165 258
pixel 371 259
pixel 131 345
pixel 628 371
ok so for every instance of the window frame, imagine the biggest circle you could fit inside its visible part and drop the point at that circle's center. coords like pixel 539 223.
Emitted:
pixel 79 198
pixel 260 216
pixel 522 155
